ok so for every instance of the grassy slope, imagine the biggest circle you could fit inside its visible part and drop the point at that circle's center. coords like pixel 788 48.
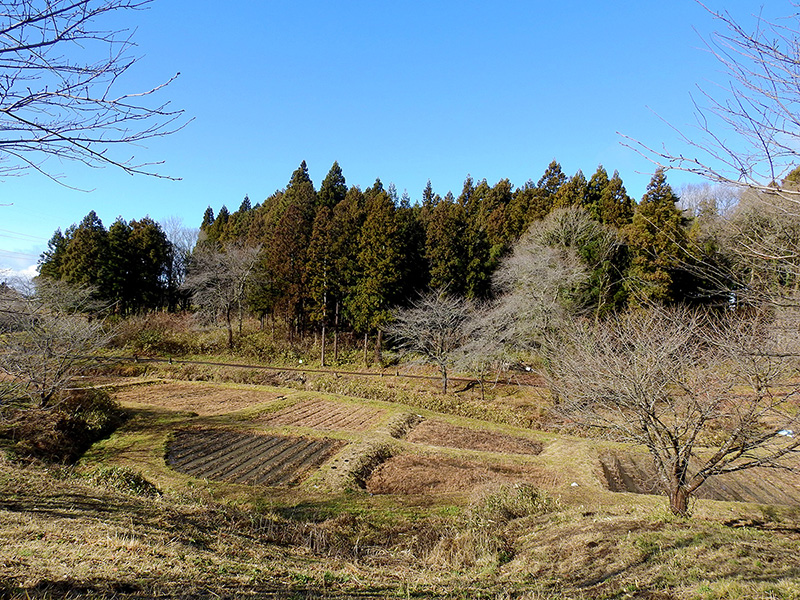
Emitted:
pixel 63 535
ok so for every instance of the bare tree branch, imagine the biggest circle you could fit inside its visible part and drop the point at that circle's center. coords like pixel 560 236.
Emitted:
pixel 705 395
pixel 59 76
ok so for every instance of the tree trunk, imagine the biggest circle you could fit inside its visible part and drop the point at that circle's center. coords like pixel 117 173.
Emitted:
pixel 322 345
pixel 378 344
pixel 336 334
pixel 679 501
pixel 366 352
pixel 230 327
pixel 444 378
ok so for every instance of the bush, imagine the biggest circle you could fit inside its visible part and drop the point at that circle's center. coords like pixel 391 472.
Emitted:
pixel 511 502
pixel 63 433
pixel 156 333
pixel 125 480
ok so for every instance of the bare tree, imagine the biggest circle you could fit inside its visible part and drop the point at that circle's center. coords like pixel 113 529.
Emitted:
pixel 60 76
pixel 433 328
pixel 218 280
pixel 537 285
pixel 183 240
pixel 748 127
pixel 705 395
pixel 48 339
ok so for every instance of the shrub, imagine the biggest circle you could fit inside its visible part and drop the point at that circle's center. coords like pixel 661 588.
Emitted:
pixel 63 433
pixel 125 480
pixel 511 502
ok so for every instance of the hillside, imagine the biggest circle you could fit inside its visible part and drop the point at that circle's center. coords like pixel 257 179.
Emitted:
pixel 266 491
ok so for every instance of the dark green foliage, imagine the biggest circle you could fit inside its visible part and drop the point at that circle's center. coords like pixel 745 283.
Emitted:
pixel 445 247
pixel 658 240
pixel 127 265
pixel 51 260
pixel 333 188
pixel 376 288
pixel 615 206
pixel 411 235
pixel 83 257
pixel 574 192
pixel 552 179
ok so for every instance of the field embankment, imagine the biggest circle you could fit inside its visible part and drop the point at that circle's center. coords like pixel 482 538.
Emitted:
pixel 213 490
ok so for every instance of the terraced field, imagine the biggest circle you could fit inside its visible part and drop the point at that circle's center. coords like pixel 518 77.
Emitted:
pixel 635 473
pixel 248 458
pixel 325 415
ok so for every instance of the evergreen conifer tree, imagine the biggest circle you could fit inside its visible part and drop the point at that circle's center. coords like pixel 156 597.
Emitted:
pixel 657 239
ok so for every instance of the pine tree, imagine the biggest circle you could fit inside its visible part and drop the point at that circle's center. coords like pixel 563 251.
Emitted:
pixel 208 219
pixel 573 193
pixel 376 289
pixel 657 238
pixel 85 253
pixel 50 262
pixel 118 280
pixel 333 188
pixel 615 206
pixel 552 179
pixel 445 246
pixel 594 193
pixel 411 235
pixel 151 254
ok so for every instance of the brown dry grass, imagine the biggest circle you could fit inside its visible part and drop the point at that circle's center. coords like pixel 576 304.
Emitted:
pixel 440 433
pixel 203 399
pixel 63 536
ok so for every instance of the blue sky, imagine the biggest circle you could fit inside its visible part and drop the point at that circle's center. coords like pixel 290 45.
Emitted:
pixel 404 91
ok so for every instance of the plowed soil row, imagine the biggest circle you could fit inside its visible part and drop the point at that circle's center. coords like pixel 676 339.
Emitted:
pixel 321 414
pixel 635 473
pixel 413 474
pixel 248 458
pixel 440 433
pixel 205 399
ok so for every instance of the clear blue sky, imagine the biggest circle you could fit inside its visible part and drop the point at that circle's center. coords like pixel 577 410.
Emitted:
pixel 404 91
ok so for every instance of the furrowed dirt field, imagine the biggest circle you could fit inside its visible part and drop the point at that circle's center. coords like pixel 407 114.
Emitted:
pixel 248 458
pixel 257 495
pixel 204 399
pixel 288 439
pixel 634 472
pixel 321 414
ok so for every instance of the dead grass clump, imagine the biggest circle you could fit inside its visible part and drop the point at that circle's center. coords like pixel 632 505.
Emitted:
pixel 480 539
pixel 157 333
pixel 125 480
pixel 512 502
pixel 399 425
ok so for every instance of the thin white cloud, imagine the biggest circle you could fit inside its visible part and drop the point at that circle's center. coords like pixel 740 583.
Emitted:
pixel 25 274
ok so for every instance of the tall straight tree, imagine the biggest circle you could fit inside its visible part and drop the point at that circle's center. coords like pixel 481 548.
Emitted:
pixel 333 188
pixel 445 246
pixel 657 238
pixel 319 273
pixel 615 207
pixel 376 289
pixel 85 253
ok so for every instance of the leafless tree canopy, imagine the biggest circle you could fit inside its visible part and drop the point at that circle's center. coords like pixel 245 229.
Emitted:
pixel 434 327
pixel 47 340
pixel 705 395
pixel 748 128
pixel 61 75
pixel 218 279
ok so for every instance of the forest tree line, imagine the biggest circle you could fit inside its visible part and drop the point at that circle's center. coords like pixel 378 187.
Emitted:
pixel 346 257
